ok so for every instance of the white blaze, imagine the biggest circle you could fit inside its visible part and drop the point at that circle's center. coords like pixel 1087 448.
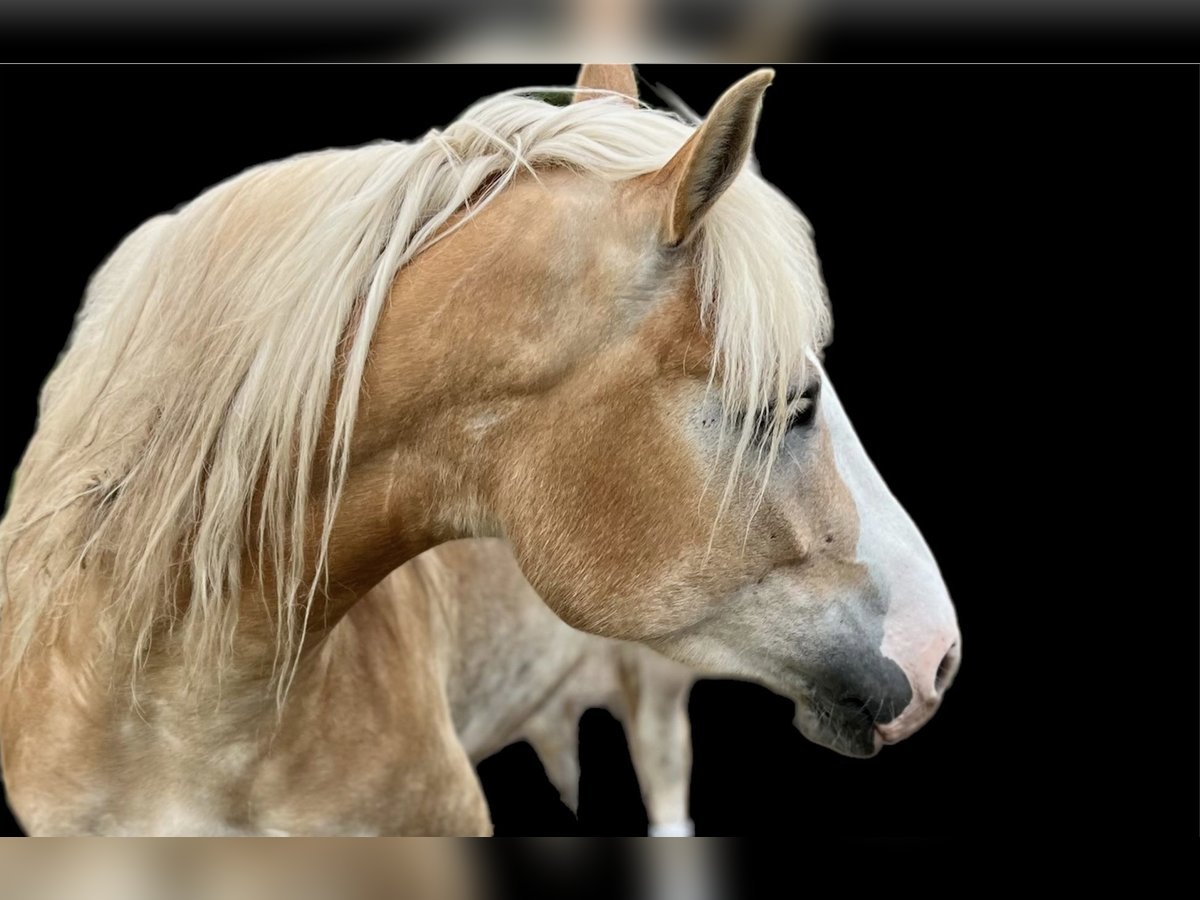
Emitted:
pixel 920 627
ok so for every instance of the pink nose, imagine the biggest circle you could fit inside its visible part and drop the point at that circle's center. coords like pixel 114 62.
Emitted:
pixel 930 674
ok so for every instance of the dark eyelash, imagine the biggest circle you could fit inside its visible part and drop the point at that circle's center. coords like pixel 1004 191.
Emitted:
pixel 805 414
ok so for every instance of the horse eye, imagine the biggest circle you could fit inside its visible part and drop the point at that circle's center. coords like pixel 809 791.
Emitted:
pixel 802 416
pixel 806 410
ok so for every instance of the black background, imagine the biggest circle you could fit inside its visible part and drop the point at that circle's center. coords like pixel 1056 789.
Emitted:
pixel 1011 254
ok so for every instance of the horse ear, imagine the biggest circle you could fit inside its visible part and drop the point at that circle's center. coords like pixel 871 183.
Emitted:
pixel 713 156
pixel 593 77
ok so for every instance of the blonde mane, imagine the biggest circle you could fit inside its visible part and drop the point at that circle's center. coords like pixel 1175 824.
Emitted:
pixel 180 427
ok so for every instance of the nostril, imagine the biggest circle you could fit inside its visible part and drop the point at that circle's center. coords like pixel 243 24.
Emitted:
pixel 945 668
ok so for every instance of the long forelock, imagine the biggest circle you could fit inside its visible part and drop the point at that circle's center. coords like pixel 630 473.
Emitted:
pixel 212 341
pixel 764 299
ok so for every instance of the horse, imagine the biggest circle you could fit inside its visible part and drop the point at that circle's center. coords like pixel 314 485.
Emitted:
pixel 516 672
pixel 592 329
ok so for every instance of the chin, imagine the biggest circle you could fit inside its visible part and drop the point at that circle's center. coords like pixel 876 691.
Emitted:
pixel 825 728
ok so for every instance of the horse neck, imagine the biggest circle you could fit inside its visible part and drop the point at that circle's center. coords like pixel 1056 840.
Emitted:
pixel 410 486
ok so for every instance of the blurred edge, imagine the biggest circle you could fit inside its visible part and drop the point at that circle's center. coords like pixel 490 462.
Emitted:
pixel 571 30
pixel 348 869
pixel 207 869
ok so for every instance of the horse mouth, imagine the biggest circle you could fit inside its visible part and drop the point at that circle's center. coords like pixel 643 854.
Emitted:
pixel 827 727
